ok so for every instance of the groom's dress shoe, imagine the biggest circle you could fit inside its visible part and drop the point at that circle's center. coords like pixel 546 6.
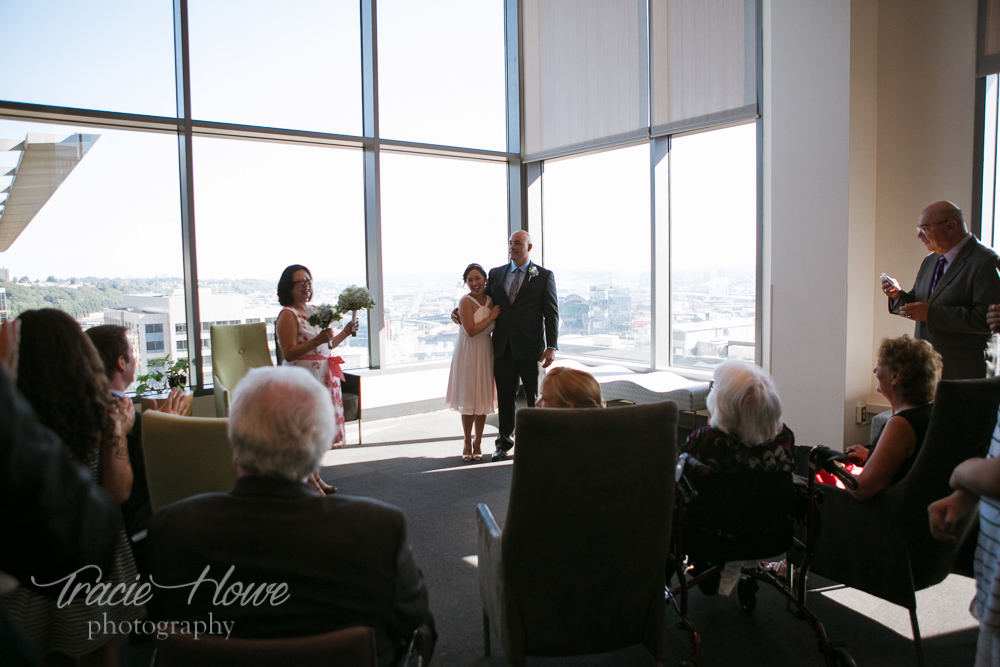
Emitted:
pixel 499 455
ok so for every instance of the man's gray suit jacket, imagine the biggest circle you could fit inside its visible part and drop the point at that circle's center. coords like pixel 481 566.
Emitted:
pixel 956 314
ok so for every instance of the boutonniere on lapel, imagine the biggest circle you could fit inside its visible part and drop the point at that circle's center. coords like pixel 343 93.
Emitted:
pixel 532 272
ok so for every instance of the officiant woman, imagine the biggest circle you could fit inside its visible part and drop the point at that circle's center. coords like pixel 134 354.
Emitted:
pixel 309 346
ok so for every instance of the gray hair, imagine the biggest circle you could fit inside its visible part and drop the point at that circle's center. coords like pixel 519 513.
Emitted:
pixel 280 422
pixel 744 402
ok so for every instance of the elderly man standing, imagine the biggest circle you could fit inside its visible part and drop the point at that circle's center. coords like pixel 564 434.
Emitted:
pixel 526 331
pixel 345 561
pixel 955 285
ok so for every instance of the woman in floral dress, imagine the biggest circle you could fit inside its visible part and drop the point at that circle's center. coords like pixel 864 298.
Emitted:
pixel 308 346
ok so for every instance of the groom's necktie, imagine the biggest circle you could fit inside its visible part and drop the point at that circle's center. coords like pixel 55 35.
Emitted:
pixel 513 285
pixel 938 272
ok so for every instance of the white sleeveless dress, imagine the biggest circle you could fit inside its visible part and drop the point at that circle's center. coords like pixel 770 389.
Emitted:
pixel 471 389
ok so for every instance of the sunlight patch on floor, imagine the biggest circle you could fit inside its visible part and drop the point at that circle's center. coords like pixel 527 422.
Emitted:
pixel 948 603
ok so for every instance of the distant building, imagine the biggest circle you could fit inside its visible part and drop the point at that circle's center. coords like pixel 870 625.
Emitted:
pixel 3 304
pixel 5 273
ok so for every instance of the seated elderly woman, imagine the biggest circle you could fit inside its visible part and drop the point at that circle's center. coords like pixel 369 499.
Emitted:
pixel 907 374
pixel 745 431
pixel 569 388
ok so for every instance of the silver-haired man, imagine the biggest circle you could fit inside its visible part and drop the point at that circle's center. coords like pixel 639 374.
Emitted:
pixel 343 561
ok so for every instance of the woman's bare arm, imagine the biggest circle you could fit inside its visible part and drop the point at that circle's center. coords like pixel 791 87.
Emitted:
pixel 116 470
pixel 467 313
pixel 897 442
pixel 978 476
pixel 287 328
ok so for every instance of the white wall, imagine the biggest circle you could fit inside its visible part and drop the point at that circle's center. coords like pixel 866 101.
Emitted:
pixel 868 118
pixel 806 193
pixel 861 216
pixel 926 107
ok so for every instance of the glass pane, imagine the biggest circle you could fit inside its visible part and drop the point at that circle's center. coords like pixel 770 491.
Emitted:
pixel 441 72
pixel 295 64
pixel 597 231
pixel 457 211
pixel 100 235
pixel 112 55
pixel 713 232
pixel 988 233
pixel 261 207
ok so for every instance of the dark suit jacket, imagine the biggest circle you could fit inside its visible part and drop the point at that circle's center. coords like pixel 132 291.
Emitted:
pixel 531 323
pixel 956 316
pixel 346 562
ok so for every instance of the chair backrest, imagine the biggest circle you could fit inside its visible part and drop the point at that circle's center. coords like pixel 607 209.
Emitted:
pixel 350 647
pixel 740 516
pixel 891 529
pixel 586 536
pixel 236 348
pixel 961 425
pixel 185 456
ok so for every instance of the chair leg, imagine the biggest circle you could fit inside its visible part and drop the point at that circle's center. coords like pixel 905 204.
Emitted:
pixel 486 633
pixel 359 430
pixel 917 643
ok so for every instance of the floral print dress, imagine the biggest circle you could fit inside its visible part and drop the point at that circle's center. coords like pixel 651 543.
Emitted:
pixel 317 361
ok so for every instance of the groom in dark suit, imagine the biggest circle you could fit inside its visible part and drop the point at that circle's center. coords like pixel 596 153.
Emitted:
pixel 526 330
pixel 955 285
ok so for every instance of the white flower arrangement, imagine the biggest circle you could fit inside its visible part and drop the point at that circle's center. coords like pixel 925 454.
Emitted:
pixel 353 299
pixel 323 316
pixel 532 272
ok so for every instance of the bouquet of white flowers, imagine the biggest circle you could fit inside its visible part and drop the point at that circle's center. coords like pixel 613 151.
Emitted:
pixel 353 299
pixel 323 316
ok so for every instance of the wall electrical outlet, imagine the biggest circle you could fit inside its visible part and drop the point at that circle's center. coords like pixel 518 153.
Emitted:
pixel 861 414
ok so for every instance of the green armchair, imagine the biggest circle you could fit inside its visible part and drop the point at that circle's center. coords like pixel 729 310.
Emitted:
pixel 236 348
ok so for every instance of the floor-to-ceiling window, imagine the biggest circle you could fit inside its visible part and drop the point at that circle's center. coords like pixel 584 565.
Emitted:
pixel 369 141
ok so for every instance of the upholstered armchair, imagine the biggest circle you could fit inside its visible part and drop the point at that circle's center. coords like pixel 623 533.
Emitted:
pixel 883 546
pixel 236 348
pixel 579 565
pixel 185 456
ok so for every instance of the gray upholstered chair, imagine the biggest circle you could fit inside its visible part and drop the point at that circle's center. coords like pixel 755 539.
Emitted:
pixel 236 348
pixel 350 647
pixel 883 546
pixel 578 568
pixel 185 456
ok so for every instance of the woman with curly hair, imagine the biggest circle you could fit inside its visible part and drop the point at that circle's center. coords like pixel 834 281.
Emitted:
pixel 61 375
pixel 907 374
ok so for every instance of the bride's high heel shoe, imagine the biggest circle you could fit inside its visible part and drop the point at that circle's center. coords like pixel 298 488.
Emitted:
pixel 477 453
pixel 467 450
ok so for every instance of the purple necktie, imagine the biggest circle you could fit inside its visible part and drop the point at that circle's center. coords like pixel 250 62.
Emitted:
pixel 938 272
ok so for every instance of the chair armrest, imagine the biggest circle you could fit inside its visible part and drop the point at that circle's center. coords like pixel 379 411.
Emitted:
pixel 491 579
pixel 221 397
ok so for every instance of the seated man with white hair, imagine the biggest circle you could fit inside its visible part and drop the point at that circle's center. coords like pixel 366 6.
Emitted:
pixel 319 563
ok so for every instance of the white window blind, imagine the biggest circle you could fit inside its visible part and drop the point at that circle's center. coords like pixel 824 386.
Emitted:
pixel 586 78
pixel 703 63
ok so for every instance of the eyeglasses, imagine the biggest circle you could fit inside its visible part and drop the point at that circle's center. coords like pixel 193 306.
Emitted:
pixel 923 229
pixel 303 283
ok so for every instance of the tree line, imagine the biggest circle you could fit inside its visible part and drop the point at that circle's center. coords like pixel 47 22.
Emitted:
pixel 93 295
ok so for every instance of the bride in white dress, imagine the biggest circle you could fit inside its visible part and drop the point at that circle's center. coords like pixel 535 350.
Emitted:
pixel 471 389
